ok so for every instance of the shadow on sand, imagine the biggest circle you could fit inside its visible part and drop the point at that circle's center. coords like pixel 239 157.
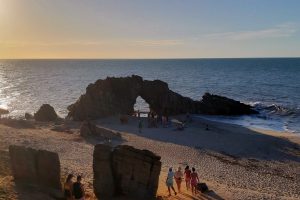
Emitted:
pixel 230 140
pixel 209 195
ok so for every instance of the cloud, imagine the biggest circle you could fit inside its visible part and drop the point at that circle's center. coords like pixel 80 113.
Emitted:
pixel 279 31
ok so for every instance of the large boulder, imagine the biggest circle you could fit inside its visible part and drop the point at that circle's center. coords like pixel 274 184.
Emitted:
pixel 38 167
pixel 46 113
pixel 48 169
pixel 125 171
pixel 23 163
pixel 114 96
pixel 90 130
pixel 136 172
pixel 104 186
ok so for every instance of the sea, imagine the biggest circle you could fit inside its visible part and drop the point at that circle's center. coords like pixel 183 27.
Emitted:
pixel 270 85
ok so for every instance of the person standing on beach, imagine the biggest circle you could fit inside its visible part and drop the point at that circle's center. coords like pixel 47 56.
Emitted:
pixel 78 190
pixel 178 178
pixel 68 187
pixel 139 114
pixel 187 173
pixel 194 180
pixel 169 181
pixel 140 125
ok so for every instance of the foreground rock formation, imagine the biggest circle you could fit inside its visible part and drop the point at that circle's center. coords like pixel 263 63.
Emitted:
pixel 125 171
pixel 37 167
pixel 46 113
pixel 114 96
pixel 89 129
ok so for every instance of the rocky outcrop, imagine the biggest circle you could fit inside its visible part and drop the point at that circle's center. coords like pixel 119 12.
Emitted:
pixel 135 172
pixel 3 111
pixel 28 116
pixel 89 129
pixel 37 167
pixel 118 95
pixel 107 97
pixel 46 113
pixel 218 105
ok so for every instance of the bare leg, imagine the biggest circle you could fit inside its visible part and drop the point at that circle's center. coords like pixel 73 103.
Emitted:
pixel 178 185
pixel 187 185
pixel 169 190
pixel 174 190
pixel 192 189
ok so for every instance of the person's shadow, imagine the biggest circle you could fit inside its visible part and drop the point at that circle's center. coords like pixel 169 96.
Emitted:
pixel 209 195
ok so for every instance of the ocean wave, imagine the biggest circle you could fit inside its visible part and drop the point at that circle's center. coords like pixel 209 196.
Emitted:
pixel 275 109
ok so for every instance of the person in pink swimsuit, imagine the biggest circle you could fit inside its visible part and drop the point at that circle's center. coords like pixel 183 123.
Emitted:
pixel 194 180
pixel 187 173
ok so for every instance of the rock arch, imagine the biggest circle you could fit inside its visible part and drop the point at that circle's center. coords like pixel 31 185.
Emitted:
pixel 141 105
pixel 114 96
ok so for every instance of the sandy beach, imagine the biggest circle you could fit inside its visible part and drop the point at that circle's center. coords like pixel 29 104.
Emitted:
pixel 234 161
pixel 107 99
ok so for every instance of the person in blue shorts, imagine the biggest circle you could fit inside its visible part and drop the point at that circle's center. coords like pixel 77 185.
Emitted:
pixel 169 181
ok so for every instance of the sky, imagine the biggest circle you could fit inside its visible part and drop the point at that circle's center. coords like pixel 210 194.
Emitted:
pixel 149 28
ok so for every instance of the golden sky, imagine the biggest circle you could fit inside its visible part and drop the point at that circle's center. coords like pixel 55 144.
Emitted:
pixel 148 29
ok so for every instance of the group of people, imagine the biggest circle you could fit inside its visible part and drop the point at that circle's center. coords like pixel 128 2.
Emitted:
pixel 153 119
pixel 190 176
pixel 74 190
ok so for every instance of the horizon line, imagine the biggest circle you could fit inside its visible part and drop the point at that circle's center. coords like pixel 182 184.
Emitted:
pixel 182 58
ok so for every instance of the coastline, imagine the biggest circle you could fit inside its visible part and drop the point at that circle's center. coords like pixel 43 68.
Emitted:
pixel 235 162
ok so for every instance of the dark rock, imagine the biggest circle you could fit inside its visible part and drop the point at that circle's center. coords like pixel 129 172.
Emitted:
pixel 3 111
pixel 89 129
pixel 48 169
pixel 104 187
pixel 107 97
pixel 46 113
pixel 135 172
pixel 28 116
pixel 17 123
pixel 23 163
pixel 37 167
pixel 114 96
pixel 218 105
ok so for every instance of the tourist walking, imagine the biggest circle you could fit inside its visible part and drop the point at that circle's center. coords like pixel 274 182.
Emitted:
pixel 187 173
pixel 78 190
pixel 178 178
pixel 194 180
pixel 139 114
pixel 68 187
pixel 169 181
pixel 140 125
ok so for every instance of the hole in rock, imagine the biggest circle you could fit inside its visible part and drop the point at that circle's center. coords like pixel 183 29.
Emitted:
pixel 142 106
